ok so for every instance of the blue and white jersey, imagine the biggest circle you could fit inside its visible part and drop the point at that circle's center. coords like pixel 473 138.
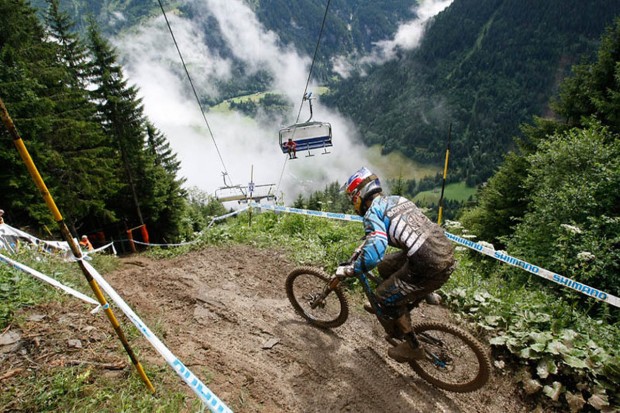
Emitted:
pixel 394 221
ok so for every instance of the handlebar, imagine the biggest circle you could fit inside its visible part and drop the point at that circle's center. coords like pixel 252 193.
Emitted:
pixel 340 270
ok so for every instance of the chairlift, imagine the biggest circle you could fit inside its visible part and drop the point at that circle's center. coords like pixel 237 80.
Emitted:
pixel 244 194
pixel 308 135
pixel 231 193
pixel 257 197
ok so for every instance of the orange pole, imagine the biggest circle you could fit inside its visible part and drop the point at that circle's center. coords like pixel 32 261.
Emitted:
pixel 131 243
pixel 145 234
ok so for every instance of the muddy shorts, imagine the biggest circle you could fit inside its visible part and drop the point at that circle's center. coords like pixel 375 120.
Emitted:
pixel 408 278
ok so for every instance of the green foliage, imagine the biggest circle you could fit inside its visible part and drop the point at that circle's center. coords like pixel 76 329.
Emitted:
pixel 501 202
pixel 558 346
pixel 556 203
pixel 41 81
pixel 594 89
pixel 573 220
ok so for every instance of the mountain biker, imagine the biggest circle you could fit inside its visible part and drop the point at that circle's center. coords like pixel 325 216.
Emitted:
pixel 424 263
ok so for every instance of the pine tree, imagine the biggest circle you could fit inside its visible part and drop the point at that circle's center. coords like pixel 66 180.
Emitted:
pixel 152 194
pixel 85 153
pixel 120 112
pixel 56 122
pixel 172 196
pixel 21 50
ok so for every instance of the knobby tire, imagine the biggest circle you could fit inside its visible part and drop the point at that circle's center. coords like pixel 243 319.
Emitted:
pixel 469 368
pixel 304 284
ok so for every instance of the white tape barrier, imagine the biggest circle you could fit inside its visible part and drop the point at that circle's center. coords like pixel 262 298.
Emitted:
pixel 230 214
pixel 150 244
pixel 322 214
pixel 48 280
pixel 533 269
pixel 498 255
pixel 221 217
pixel 110 245
pixel 214 404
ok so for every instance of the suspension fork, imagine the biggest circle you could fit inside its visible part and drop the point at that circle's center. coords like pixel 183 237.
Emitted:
pixel 330 286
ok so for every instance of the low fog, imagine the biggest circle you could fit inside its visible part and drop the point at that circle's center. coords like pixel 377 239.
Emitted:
pixel 151 62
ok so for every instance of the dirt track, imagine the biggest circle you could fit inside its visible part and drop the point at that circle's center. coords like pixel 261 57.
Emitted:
pixel 220 310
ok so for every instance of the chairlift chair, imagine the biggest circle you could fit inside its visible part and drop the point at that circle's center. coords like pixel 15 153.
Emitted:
pixel 257 197
pixel 308 135
pixel 231 193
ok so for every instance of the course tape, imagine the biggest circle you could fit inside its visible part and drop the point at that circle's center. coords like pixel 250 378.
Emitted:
pixel 533 269
pixel 498 255
pixel 322 214
pixel 48 280
pixel 111 244
pixel 150 244
pixel 214 404
pixel 230 214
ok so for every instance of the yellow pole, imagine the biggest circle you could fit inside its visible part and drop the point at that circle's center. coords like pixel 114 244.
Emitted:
pixel 445 174
pixel 49 201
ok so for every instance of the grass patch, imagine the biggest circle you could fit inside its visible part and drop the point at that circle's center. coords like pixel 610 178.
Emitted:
pixel 457 191
pixel 83 389
pixel 395 165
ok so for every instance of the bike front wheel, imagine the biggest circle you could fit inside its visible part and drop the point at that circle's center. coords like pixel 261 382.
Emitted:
pixel 455 360
pixel 310 295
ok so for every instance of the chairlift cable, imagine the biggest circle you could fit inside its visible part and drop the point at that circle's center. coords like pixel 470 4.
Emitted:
pixel 281 174
pixel 194 89
pixel 316 50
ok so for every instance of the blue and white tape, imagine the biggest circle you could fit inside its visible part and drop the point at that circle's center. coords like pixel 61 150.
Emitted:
pixel 498 255
pixel 321 214
pixel 48 280
pixel 534 269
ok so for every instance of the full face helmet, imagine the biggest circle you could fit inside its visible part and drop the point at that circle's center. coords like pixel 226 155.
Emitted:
pixel 360 187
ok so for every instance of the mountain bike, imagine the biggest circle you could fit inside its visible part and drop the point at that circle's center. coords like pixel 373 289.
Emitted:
pixel 455 360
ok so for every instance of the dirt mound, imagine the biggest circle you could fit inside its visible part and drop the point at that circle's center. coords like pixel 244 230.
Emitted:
pixel 225 311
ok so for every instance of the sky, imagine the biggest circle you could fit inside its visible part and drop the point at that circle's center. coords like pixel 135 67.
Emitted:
pixel 151 62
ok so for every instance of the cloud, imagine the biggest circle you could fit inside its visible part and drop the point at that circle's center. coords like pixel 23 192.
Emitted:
pixel 408 36
pixel 151 62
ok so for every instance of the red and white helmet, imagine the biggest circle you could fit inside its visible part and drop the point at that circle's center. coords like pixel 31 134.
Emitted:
pixel 360 186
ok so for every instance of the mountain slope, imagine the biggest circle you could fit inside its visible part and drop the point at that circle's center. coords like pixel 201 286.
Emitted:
pixel 484 66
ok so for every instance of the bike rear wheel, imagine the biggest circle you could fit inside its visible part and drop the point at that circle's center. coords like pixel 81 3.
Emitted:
pixel 310 295
pixel 455 360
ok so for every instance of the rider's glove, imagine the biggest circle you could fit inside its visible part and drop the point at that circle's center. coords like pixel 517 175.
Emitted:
pixel 345 271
